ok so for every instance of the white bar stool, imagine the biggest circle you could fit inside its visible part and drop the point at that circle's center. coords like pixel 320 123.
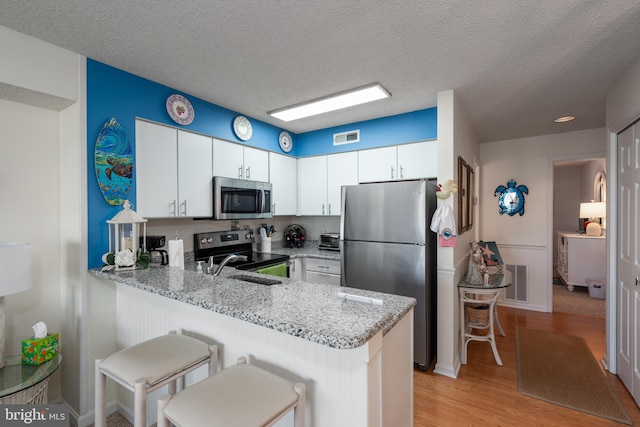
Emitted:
pixel 241 395
pixel 149 365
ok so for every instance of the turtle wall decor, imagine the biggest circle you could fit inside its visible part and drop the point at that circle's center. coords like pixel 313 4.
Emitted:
pixel 511 198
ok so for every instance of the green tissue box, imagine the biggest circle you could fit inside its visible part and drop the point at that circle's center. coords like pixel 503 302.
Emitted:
pixel 36 351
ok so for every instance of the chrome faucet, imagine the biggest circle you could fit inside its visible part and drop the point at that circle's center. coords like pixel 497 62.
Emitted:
pixel 232 257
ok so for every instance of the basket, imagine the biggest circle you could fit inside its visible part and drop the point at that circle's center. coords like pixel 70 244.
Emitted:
pixel 34 395
pixel 478 313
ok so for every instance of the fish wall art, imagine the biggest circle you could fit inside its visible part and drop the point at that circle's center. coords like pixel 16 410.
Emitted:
pixel 113 162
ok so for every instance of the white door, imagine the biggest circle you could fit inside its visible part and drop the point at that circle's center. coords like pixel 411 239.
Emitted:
pixel 228 159
pixel 256 164
pixel 378 164
pixel 342 169
pixel 419 160
pixel 156 170
pixel 195 174
pixel 283 176
pixel 312 185
pixel 628 262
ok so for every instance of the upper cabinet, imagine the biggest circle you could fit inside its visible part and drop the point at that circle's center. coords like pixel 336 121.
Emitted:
pixel 238 161
pixel 407 161
pixel 173 172
pixel 342 169
pixel 283 175
pixel 320 180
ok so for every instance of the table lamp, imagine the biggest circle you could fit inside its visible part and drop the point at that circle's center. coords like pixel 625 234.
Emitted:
pixel 594 211
pixel 15 276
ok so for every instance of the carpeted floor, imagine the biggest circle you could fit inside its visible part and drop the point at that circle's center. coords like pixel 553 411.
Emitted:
pixel 577 302
pixel 560 369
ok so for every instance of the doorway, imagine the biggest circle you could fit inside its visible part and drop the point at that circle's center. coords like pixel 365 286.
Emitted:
pixel 579 266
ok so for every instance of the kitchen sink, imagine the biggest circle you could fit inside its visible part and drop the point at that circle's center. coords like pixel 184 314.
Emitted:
pixel 254 279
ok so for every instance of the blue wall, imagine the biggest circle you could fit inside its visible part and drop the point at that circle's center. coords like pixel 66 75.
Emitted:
pixel 409 127
pixel 114 93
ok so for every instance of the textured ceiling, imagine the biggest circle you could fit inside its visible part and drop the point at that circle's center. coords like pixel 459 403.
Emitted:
pixel 514 65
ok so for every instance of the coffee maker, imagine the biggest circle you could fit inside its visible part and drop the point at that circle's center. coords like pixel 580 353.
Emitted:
pixel 152 245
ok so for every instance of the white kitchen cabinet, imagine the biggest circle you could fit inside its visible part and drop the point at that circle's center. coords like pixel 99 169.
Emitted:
pixel 407 161
pixel 296 269
pixel 378 164
pixel 322 271
pixel 239 161
pixel 283 176
pixel 320 180
pixel 342 169
pixel 418 160
pixel 581 257
pixel 173 172
pixel 312 185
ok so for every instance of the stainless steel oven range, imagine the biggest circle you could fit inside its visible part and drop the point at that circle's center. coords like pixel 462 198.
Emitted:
pixel 220 244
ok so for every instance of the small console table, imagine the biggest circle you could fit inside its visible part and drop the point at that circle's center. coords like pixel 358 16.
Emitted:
pixel 473 296
pixel 26 384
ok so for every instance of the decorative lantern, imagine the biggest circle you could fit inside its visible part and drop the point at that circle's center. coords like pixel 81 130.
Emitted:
pixel 124 237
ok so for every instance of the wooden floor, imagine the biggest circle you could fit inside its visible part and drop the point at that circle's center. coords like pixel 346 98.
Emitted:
pixel 485 394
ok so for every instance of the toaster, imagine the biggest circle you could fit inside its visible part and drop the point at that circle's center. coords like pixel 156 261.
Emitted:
pixel 329 241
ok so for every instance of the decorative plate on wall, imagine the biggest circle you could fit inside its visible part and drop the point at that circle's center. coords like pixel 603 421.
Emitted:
pixel 180 109
pixel 242 128
pixel 511 198
pixel 285 141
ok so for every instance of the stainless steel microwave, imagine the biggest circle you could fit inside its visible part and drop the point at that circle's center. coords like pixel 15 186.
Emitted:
pixel 241 199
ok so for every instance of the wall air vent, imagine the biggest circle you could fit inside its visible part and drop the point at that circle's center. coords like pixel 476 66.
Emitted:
pixel 346 137
pixel 519 289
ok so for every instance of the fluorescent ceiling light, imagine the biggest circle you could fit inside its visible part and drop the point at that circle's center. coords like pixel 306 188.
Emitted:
pixel 349 98
pixel 564 119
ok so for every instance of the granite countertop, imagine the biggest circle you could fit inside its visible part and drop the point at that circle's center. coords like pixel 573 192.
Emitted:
pixel 312 311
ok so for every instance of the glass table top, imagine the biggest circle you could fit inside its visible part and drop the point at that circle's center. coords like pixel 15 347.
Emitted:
pixel 15 376
pixel 496 281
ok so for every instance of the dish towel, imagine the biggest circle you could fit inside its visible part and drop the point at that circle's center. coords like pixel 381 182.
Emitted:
pixel 444 223
pixel 279 270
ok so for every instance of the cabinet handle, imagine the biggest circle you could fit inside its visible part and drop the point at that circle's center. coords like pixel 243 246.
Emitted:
pixel 323 209
pixel 240 172
pixel 329 213
pixel 401 172
pixel 172 208
pixel 273 209
pixel 637 280
pixel 392 172
pixel 184 206
pixel 248 174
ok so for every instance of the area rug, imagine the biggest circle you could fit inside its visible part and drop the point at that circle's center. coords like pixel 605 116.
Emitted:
pixel 560 369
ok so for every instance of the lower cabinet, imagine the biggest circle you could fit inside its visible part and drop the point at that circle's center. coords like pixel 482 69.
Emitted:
pixel 322 271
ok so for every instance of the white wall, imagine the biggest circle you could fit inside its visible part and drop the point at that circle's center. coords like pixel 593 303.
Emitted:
pixel 41 191
pixel 528 240
pixel 29 196
pixel 455 138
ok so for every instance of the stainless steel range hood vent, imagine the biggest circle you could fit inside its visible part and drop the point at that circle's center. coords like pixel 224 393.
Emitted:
pixel 346 137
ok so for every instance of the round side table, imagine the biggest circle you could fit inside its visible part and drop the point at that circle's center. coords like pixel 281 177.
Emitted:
pixel 471 296
pixel 26 384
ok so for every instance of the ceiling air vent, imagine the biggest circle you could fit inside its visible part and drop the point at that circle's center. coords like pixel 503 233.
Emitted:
pixel 346 137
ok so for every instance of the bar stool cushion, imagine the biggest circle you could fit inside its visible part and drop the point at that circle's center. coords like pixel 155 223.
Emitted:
pixel 241 395
pixel 155 359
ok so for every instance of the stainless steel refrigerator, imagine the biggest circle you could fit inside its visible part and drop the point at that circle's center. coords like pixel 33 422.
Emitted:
pixel 386 246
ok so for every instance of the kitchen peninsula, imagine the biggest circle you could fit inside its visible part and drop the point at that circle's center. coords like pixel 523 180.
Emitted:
pixel 356 359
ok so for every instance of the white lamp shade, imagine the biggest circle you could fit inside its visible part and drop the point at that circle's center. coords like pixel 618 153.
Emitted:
pixel 593 210
pixel 15 268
